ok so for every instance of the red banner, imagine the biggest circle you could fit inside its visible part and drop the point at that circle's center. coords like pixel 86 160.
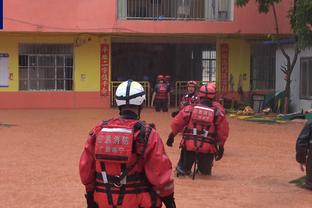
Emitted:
pixel 224 48
pixel 104 69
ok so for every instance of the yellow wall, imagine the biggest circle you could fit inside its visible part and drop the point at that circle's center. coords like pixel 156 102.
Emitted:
pixel 87 63
pixel 9 45
pixel 86 56
pixel 239 61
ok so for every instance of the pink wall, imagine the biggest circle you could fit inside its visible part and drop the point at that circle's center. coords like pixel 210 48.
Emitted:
pixel 100 16
pixel 15 100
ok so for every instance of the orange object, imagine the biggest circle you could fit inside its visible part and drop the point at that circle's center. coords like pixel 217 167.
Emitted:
pixel 11 76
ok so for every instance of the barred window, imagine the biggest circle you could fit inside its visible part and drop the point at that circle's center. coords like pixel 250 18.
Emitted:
pixel 209 65
pixel 306 78
pixel 262 67
pixel 45 67
pixel 220 10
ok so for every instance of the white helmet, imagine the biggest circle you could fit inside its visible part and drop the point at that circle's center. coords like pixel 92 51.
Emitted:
pixel 130 93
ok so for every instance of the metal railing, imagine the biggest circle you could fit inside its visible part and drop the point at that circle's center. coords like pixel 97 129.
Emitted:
pixel 146 85
pixel 217 10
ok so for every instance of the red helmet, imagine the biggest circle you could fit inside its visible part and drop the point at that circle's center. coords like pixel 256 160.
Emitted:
pixel 207 91
pixel 191 83
pixel 160 77
pixel 167 78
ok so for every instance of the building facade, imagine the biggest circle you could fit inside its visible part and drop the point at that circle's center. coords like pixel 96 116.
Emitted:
pixel 301 79
pixel 66 54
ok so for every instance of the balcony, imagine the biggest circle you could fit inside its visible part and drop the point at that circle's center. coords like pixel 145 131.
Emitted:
pixel 201 10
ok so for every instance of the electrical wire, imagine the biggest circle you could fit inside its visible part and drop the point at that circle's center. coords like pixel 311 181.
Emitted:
pixel 68 28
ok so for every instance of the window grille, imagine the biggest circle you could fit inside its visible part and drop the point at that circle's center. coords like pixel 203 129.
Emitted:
pixel 209 65
pixel 306 78
pixel 175 9
pixel 262 67
pixel 45 67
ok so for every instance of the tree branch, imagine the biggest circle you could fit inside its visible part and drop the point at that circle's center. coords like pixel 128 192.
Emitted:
pixel 284 69
pixel 275 18
pixel 277 32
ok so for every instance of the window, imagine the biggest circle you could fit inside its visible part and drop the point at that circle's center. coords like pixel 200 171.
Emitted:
pixel 209 66
pixel 4 70
pixel 262 67
pixel 175 9
pixel 306 78
pixel 45 67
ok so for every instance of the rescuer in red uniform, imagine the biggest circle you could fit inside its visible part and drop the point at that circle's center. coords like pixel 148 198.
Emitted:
pixel 124 163
pixel 204 131
pixel 189 98
pixel 161 95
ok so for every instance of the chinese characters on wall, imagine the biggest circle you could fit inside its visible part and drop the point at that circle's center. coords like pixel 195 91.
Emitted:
pixel 224 48
pixel 104 69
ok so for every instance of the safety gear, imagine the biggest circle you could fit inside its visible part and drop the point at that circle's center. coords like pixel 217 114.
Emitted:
pixel 152 125
pixel 188 99
pixel 170 140
pixel 160 77
pixel 115 158
pixel 167 78
pixel 219 131
pixel 120 183
pixel 173 114
pixel 169 201
pixel 114 143
pixel 219 153
pixel 161 91
pixel 90 200
pixel 130 93
pixel 304 141
pixel 198 135
pixel 304 151
pixel 191 83
pixel 207 91
pixel 301 158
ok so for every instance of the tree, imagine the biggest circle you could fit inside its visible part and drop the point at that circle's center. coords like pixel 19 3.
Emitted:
pixel 301 22
pixel 300 18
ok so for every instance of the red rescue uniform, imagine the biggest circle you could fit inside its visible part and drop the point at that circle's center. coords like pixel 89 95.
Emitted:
pixel 188 99
pixel 203 127
pixel 162 91
pixel 128 146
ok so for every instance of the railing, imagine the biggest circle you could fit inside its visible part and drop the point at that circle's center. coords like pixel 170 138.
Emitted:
pixel 180 89
pixel 146 85
pixel 217 10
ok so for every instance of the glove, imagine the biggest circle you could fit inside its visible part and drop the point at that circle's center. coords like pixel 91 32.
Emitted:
pixel 173 114
pixel 301 158
pixel 170 140
pixel 90 201
pixel 219 153
pixel 152 125
pixel 169 201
